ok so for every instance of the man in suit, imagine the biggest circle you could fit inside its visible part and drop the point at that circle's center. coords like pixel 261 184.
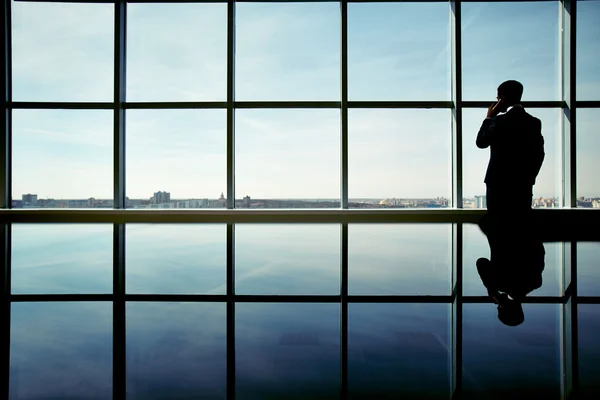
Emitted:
pixel 516 151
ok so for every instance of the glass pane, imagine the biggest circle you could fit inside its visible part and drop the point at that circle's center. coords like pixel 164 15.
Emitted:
pixel 588 62
pixel 176 158
pixel 62 158
pixel 176 52
pixel 62 258
pixel 171 355
pixel 588 273
pixel 289 351
pixel 501 362
pixel 399 158
pixel 398 351
pixel 287 259
pixel 398 51
pixel 62 51
pixel 399 259
pixel 176 259
pixel 516 40
pixel 475 160
pixel 61 350
pixel 588 146
pixel 589 351
pixel 287 158
pixel 475 246
pixel 287 51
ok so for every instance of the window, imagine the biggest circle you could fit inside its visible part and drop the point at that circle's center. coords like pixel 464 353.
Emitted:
pixel 62 158
pixel 272 174
pixel 398 51
pixel 287 51
pixel 588 63
pixel 181 153
pixel 261 197
pixel 588 145
pixel 176 52
pixel 510 40
pixel 399 158
pixel 62 51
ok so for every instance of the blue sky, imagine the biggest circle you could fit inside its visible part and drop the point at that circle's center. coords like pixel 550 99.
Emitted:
pixel 177 52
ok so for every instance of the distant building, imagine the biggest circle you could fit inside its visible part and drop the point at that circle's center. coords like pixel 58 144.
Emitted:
pixel 160 198
pixel 30 198
pixel 222 200
pixel 246 202
pixel 480 202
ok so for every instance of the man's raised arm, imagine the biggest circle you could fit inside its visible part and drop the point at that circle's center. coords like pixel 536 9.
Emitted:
pixel 489 128
pixel 487 132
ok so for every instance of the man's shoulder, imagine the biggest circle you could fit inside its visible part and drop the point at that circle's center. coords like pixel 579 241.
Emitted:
pixel 522 116
pixel 532 117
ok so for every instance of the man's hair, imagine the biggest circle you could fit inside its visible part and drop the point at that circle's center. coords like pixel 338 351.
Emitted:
pixel 511 91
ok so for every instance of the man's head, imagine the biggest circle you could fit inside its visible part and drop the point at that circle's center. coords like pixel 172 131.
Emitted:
pixel 510 312
pixel 510 93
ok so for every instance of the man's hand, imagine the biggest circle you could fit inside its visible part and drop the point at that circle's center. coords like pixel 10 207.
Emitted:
pixel 494 109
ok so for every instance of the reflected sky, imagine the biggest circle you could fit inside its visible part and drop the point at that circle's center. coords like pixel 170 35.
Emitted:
pixel 176 350
pixel 176 259
pixel 500 361
pixel 61 350
pixel 179 349
pixel 397 350
pixel 287 351
pixel 589 354
pixel 399 259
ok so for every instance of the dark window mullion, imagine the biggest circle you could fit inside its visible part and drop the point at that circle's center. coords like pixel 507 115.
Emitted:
pixel 230 273
pixel 5 197
pixel 5 242
pixel 344 312
pixel 344 103
pixel 119 317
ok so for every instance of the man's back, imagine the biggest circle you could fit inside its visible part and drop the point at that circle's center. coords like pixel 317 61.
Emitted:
pixel 517 148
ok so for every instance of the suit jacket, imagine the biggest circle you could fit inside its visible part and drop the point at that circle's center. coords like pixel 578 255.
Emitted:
pixel 516 148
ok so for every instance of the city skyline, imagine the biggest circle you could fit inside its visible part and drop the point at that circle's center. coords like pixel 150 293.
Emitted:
pixel 163 199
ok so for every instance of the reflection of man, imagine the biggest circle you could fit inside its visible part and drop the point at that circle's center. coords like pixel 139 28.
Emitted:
pixel 515 266
pixel 516 150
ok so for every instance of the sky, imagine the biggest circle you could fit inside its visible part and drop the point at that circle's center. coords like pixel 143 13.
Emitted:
pixel 286 51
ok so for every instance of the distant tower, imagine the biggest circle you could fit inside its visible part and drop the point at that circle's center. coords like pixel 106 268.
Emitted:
pixel 222 199
pixel 246 202
pixel 480 202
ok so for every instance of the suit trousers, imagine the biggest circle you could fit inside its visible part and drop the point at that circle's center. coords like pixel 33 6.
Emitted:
pixel 508 198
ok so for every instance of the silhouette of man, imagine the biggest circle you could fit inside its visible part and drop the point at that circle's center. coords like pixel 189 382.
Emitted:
pixel 515 266
pixel 516 151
